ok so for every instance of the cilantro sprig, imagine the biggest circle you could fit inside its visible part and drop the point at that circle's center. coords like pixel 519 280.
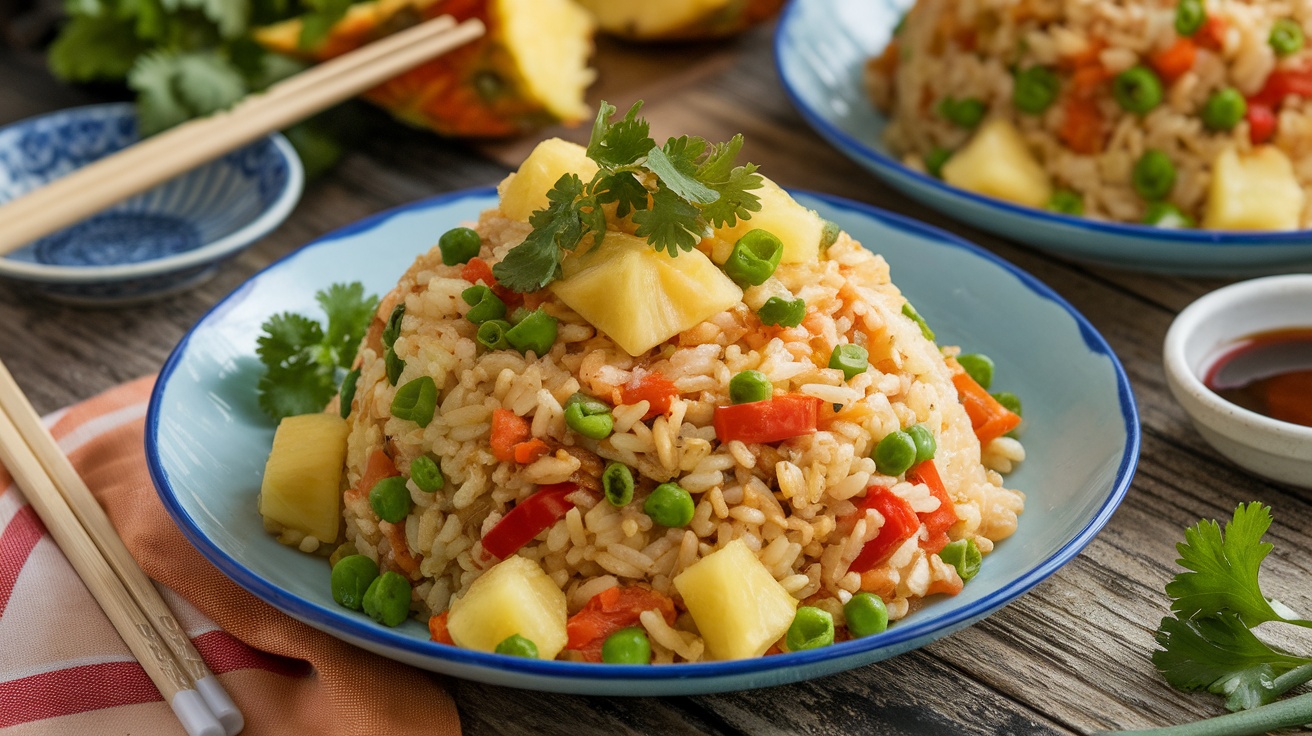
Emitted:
pixel 1210 643
pixel 675 194
pixel 303 360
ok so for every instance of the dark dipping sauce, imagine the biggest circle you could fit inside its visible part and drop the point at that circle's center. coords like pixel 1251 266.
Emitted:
pixel 1269 373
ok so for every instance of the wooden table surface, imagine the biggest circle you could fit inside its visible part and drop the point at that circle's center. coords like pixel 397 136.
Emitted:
pixel 1071 656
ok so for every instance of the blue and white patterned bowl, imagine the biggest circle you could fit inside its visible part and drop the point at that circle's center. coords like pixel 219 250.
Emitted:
pixel 821 47
pixel 155 243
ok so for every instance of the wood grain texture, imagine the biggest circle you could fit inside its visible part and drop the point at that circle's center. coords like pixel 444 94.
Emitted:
pixel 1071 656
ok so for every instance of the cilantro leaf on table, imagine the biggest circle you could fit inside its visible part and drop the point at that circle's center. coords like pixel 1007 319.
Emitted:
pixel 95 47
pixel 1222 655
pixel 303 360
pixel 174 87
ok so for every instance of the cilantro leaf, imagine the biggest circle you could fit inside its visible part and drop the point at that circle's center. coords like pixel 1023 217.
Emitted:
pixel 1222 655
pixel 535 262
pixel 676 164
pixel 672 224
pixel 349 311
pixel 619 144
pixel 175 87
pixel 94 47
pixel 295 388
pixel 736 199
pixel 622 188
pixel 1224 568
pixel 286 336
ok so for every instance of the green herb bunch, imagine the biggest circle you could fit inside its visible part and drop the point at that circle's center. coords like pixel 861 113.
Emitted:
pixel 304 361
pixel 675 193
pixel 182 58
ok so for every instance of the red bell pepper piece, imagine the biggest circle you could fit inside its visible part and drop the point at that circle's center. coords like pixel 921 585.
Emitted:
pixel 609 611
pixel 938 521
pixel 529 517
pixel 989 419
pixel 1282 83
pixel 654 388
pixel 1212 33
pixel 477 270
pixel 508 430
pixel 1261 123
pixel 772 420
pixel 900 523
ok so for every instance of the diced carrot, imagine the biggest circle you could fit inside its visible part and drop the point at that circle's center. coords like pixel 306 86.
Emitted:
pixel 1173 62
pixel 938 521
pixel 989 419
pixel 609 611
pixel 1082 125
pixel 379 466
pixel 405 561
pixel 654 388
pixel 437 630
pixel 508 430
pixel 1212 33
pixel 530 450
pixel 478 271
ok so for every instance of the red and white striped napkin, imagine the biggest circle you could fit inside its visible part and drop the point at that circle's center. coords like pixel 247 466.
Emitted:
pixel 64 670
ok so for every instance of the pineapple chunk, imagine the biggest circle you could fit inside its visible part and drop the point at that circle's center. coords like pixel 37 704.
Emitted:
pixel 1253 192
pixel 640 296
pixel 800 229
pixel 303 476
pixel 514 597
pixel 997 163
pixel 550 41
pixel 738 606
pixel 645 19
pixel 525 191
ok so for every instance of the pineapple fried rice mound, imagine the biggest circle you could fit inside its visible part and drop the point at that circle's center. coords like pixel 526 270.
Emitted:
pixel 796 505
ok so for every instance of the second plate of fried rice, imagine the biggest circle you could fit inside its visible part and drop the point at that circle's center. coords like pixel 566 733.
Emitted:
pixel 1077 467
pixel 828 52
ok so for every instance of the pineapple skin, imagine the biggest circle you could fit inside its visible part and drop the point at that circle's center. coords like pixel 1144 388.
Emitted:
pixel 800 229
pixel 639 296
pixel 738 606
pixel 515 596
pixel 301 489
pixel 1254 192
pixel 525 191
pixel 997 163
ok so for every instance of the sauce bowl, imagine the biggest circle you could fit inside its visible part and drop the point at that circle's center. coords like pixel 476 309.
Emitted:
pixel 1277 450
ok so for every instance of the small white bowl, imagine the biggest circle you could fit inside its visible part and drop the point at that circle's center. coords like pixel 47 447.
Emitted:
pixel 1269 447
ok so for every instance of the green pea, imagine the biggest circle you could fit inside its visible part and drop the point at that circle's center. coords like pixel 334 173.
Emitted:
pixel 1035 89
pixel 750 386
pixel 914 316
pixel 935 160
pixel 1286 37
pixel 1137 90
pixel 348 392
pixel 979 367
pixel 963 555
pixel 458 245
pixel 1065 202
pixel 483 304
pixel 1154 175
pixel 1167 216
pixel 627 646
pixel 387 600
pixel 829 235
pixel 492 334
pixel 1189 17
pixel 754 258
pixel 394 365
pixel 926 445
pixel 852 360
pixel 426 474
pixel 517 646
pixel 963 113
pixel 1009 401
pixel 350 580
pixel 1224 109
pixel 617 484
pixel 782 312
pixel 895 453
pixel 589 417
pixel 866 614
pixel 416 401
pixel 669 505
pixel 392 329
pixel 812 628
pixel 390 499
pixel 535 332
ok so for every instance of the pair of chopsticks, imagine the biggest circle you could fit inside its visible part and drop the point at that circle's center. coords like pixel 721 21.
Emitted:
pixel 152 162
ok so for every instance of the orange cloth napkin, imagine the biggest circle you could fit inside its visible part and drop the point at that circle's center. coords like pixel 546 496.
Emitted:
pixel 64 670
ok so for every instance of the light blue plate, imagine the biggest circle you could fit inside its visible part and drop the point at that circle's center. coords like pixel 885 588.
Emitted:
pixel 821 47
pixel 206 442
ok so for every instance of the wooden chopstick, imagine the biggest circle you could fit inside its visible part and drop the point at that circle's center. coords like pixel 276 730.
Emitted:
pixel 135 625
pixel 152 162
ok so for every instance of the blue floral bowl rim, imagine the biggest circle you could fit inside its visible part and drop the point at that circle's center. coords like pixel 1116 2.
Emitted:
pixel 845 142
pixel 271 217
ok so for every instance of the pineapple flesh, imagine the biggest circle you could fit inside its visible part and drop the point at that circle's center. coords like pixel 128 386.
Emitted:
pixel 514 597
pixel 302 478
pixel 639 296
pixel 525 191
pixel 800 229
pixel 997 163
pixel 1257 191
pixel 738 606
pixel 550 41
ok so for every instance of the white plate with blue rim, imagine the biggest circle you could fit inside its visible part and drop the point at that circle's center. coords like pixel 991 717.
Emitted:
pixel 207 441
pixel 821 47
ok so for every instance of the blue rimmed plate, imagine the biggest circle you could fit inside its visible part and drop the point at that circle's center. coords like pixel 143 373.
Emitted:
pixel 206 442
pixel 821 47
